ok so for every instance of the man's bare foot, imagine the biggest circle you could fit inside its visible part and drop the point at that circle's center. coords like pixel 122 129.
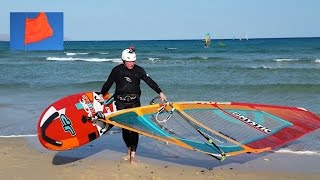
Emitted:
pixel 134 160
pixel 126 158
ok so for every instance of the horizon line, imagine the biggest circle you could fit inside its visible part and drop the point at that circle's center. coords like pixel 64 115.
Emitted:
pixel 244 39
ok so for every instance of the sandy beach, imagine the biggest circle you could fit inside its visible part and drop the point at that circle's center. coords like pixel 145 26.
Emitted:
pixel 22 159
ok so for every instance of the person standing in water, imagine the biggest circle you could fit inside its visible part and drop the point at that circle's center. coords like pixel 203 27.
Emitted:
pixel 127 77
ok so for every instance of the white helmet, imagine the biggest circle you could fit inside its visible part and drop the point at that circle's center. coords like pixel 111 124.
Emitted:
pixel 128 55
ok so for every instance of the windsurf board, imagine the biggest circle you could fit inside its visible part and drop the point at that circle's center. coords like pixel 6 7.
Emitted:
pixel 64 125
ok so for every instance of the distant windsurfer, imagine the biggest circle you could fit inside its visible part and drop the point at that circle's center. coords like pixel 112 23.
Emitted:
pixel 207 40
pixel 127 77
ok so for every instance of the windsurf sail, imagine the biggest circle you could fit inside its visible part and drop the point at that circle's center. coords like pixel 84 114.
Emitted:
pixel 221 44
pixel 219 129
pixel 207 40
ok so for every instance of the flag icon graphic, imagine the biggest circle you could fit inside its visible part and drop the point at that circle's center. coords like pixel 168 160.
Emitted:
pixel 37 29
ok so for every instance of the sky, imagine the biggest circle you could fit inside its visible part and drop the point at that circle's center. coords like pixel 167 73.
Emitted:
pixel 174 19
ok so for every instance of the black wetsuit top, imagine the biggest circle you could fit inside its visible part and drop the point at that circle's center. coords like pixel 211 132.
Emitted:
pixel 128 83
pixel 128 80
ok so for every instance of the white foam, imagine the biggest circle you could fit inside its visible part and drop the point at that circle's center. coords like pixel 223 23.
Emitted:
pixel 34 135
pixel 73 54
pixel 288 151
pixel 284 59
pixel 83 59
pixel 19 135
pixel 262 67
pixel 317 60
pixel 153 59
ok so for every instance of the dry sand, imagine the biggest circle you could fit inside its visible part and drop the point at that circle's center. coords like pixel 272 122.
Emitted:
pixel 20 160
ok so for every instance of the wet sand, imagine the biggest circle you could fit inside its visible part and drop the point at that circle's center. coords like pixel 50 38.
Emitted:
pixel 23 158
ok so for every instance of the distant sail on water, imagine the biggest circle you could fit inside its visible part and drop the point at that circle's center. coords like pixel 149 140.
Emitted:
pixel 221 44
pixel 207 40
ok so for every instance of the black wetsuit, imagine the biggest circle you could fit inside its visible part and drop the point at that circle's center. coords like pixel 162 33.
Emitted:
pixel 127 94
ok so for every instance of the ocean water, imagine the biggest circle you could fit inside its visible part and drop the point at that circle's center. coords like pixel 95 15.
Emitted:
pixel 269 71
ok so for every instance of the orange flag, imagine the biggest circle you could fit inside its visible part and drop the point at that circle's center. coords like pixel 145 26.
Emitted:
pixel 37 29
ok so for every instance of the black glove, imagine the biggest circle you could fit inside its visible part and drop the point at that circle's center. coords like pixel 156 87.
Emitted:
pixel 100 115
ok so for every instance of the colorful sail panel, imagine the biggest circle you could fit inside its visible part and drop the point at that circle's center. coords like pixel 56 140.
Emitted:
pixel 218 128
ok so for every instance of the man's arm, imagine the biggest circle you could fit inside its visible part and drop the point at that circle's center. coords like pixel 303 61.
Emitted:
pixel 154 86
pixel 107 85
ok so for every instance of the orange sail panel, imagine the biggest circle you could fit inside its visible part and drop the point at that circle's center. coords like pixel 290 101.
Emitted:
pixel 37 29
